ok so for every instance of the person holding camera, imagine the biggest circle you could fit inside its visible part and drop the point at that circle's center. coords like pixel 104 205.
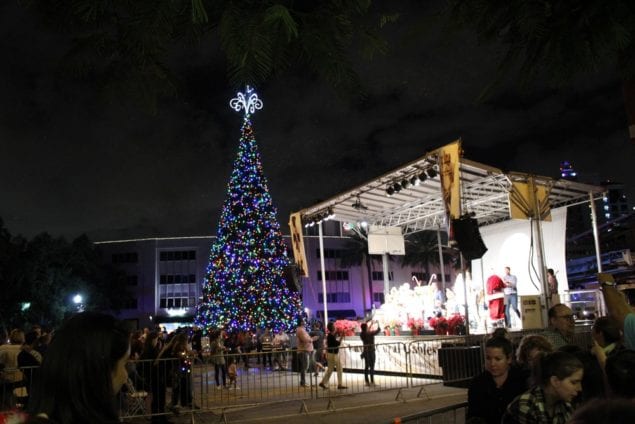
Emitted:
pixel 368 354
pixel 333 357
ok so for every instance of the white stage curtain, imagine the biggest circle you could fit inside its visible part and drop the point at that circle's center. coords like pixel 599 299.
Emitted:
pixel 509 244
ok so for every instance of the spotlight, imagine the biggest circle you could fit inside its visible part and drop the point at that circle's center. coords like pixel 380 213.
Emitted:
pixel 405 183
pixel 431 172
pixel 390 191
pixel 397 187
pixel 422 177
pixel 414 181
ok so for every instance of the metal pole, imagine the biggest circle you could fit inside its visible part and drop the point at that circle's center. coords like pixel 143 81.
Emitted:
pixel 596 235
pixel 321 238
pixel 384 263
pixel 442 265
pixel 540 253
pixel 467 314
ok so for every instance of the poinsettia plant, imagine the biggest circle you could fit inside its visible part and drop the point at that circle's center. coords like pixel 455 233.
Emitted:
pixel 346 327
pixel 416 324
pixel 456 324
pixel 439 324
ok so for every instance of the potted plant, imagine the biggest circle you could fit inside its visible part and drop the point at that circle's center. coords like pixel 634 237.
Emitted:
pixel 416 325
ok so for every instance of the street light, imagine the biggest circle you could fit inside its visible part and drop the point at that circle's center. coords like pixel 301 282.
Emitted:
pixel 77 300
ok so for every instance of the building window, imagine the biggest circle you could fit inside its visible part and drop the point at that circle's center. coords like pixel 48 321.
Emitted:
pixel 177 279
pixel 177 302
pixel 379 276
pixel 123 258
pixel 378 297
pixel 339 275
pixel 337 297
pixel 132 280
pixel 177 255
pixel 329 253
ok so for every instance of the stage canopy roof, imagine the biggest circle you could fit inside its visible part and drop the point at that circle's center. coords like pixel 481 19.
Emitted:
pixel 419 206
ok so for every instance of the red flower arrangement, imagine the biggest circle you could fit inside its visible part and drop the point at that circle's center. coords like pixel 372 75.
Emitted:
pixel 345 327
pixel 439 324
pixel 416 325
pixel 456 324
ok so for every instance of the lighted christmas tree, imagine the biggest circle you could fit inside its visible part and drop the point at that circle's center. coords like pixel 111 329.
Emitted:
pixel 244 286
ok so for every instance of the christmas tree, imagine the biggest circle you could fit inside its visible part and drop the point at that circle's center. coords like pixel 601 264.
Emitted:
pixel 244 287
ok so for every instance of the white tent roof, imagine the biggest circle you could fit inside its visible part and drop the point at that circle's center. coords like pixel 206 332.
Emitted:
pixel 484 192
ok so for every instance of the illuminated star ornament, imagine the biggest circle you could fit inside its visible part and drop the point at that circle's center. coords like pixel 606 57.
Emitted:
pixel 249 101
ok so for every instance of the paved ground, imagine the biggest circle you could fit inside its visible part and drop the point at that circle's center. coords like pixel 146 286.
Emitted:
pixel 367 407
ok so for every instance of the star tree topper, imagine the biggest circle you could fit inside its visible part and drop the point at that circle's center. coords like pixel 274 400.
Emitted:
pixel 248 101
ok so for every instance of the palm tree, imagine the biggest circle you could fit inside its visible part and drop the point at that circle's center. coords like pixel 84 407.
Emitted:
pixel 422 249
pixel 355 253
pixel 561 39
pixel 127 44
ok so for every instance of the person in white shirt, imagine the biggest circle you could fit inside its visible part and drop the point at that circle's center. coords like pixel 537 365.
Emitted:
pixel 511 296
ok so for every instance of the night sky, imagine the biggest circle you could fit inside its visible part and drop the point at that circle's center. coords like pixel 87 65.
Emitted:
pixel 71 163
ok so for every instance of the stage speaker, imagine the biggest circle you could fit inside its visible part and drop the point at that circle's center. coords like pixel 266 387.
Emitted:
pixel 468 237
pixel 291 274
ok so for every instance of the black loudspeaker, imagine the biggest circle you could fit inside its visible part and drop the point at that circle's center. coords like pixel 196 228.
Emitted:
pixel 468 237
pixel 291 274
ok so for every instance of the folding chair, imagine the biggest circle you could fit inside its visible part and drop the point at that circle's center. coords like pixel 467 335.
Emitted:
pixel 135 400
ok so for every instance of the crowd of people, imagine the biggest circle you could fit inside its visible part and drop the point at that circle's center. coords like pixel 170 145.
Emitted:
pixel 91 346
pixel 546 378
pixel 80 374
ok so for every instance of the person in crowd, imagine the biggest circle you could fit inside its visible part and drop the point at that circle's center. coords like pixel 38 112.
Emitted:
pixel 258 345
pixel 181 372
pixel 530 349
pixel 559 380
pixel 232 373
pixel 552 283
pixel 620 312
pixel 43 343
pixel 29 360
pixel 561 326
pixel 490 392
pixel 605 411
pixel 620 374
pixel 593 382
pixel 197 342
pixel 495 295
pixel 315 360
pixel 511 296
pixel 155 371
pixel 266 343
pixel 9 356
pixel 217 356
pixel 500 332
pixel 82 371
pixel 369 330
pixel 244 343
pixel 333 342
pixel 305 349
pixel 280 346
pixel 607 339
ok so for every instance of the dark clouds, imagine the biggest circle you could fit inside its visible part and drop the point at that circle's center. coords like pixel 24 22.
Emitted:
pixel 71 163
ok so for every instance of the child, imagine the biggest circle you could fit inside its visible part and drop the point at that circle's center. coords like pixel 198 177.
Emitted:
pixel 232 373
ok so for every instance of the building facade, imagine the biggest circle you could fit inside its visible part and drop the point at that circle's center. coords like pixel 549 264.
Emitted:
pixel 165 276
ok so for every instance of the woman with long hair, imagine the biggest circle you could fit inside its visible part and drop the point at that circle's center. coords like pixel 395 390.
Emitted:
pixel 83 370
pixel 559 380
